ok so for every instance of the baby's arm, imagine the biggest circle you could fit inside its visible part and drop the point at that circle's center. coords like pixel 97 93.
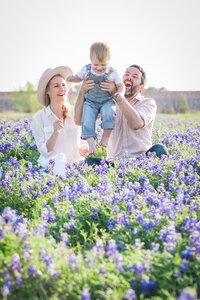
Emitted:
pixel 74 78
pixel 78 77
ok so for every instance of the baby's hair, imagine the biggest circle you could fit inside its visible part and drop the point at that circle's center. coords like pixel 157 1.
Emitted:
pixel 101 50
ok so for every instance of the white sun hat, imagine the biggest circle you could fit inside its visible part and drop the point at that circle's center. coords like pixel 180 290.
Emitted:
pixel 46 76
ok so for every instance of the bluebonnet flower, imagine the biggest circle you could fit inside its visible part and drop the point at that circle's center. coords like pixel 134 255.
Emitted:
pixel 7 287
pixel 19 280
pixel 71 225
pixel 21 230
pixel 188 253
pixel 52 271
pixel 48 260
pixel 102 271
pixel 31 270
pixel 121 218
pixel 146 285
pixel 98 249
pixel 115 209
pixel 111 224
pixel 139 267
pixel 85 295
pixel 184 267
pixel 130 294
pixel 15 262
pixel 134 284
pixel 72 260
pixel 155 247
pixel 187 294
pixel 42 252
pixel 71 213
pixel 1 233
pixel 50 166
pixel 119 262
pixel 41 229
pixel 64 239
pixel 45 189
pixel 170 237
pixel 177 274
pixel 138 244
pixel 111 249
pixel 48 215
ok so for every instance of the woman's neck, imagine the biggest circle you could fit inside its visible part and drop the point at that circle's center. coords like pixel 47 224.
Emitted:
pixel 57 109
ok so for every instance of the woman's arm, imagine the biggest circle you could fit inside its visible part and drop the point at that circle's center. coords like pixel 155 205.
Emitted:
pixel 78 109
pixel 50 144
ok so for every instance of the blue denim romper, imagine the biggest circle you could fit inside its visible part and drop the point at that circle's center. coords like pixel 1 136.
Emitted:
pixel 97 101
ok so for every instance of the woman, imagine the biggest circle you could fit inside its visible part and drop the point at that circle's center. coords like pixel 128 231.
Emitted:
pixel 57 137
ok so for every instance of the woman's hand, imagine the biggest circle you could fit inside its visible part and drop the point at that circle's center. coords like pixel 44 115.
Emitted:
pixel 58 125
pixel 84 150
pixel 108 86
pixel 87 85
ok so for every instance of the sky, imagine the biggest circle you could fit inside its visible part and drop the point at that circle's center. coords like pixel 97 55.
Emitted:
pixel 162 36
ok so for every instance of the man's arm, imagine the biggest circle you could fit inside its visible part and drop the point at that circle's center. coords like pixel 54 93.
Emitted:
pixel 135 121
pixel 78 109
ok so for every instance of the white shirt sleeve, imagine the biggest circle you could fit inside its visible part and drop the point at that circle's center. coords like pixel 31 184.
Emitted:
pixel 83 72
pixel 147 111
pixel 39 134
pixel 115 77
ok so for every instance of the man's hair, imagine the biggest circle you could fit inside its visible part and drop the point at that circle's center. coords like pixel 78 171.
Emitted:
pixel 101 50
pixel 144 77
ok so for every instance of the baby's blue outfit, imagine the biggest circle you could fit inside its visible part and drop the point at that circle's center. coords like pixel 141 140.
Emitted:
pixel 97 101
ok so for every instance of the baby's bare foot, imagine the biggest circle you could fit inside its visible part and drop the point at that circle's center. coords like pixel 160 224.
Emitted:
pixel 105 138
pixel 104 142
pixel 92 146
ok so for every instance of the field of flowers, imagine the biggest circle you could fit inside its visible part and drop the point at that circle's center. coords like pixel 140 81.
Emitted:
pixel 128 232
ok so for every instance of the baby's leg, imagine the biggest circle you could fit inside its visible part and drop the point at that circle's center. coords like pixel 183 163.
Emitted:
pixel 92 145
pixel 105 137
pixel 89 116
pixel 108 121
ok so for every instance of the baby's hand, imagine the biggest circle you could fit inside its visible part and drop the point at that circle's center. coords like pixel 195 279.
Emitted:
pixel 69 78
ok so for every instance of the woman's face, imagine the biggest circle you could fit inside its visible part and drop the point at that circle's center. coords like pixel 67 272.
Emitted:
pixel 57 90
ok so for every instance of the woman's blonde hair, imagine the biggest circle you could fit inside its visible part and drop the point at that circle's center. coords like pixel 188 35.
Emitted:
pixel 65 108
pixel 101 50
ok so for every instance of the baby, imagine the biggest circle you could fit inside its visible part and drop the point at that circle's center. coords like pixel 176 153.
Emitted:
pixel 96 100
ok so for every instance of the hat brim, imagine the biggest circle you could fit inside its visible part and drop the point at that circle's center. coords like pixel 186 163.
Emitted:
pixel 62 70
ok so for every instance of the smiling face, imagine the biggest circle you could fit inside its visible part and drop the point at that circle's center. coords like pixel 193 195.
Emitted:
pixel 132 80
pixel 99 66
pixel 57 89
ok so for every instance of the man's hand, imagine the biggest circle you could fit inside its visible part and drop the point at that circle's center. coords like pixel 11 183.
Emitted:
pixel 108 86
pixel 87 85
pixel 118 96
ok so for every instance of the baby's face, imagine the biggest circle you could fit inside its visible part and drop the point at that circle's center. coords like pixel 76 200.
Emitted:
pixel 99 66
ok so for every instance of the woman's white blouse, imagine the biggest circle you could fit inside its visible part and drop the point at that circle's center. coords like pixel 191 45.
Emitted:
pixel 68 141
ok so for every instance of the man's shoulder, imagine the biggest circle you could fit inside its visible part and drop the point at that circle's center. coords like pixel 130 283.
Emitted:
pixel 147 100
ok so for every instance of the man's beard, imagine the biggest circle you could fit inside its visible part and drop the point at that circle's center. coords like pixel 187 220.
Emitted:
pixel 132 91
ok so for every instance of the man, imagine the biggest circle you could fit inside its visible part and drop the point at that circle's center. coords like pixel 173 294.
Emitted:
pixel 132 135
